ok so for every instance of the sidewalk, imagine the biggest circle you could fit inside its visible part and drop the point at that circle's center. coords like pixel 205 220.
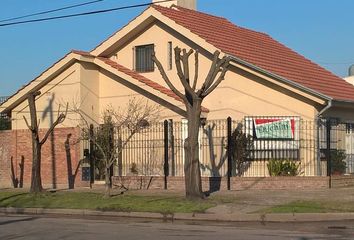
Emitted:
pixel 215 217
pixel 232 206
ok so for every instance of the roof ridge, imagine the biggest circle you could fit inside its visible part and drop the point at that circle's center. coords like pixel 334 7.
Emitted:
pixel 211 15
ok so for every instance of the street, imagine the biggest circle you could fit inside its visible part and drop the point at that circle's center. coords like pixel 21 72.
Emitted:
pixel 55 227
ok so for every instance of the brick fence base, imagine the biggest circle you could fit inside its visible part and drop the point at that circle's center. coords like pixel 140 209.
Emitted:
pixel 60 167
pixel 214 184
pixel 342 181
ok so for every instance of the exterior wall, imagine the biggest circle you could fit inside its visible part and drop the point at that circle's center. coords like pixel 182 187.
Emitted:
pixel 62 89
pixel 60 160
pixel 247 94
pixel 114 94
pixel 89 92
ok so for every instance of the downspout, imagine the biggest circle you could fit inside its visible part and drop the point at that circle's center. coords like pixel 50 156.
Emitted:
pixel 329 105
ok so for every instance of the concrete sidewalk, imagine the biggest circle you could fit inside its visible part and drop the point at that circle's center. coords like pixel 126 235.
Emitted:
pixel 235 217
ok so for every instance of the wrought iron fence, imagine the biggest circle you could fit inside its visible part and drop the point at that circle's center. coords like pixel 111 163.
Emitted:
pixel 306 143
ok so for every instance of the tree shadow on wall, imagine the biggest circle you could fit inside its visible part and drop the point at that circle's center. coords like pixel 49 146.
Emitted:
pixel 71 175
pixel 216 163
pixel 241 147
pixel 49 111
pixel 15 181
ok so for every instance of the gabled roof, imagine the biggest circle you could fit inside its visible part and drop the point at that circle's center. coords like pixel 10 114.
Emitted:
pixel 261 50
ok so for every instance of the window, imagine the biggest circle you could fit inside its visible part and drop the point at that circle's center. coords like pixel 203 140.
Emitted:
pixel 143 58
pixel 169 57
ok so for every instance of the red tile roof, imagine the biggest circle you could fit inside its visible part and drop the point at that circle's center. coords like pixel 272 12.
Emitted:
pixel 260 50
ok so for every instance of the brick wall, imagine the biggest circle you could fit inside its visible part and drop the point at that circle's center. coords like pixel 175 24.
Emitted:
pixel 215 184
pixel 58 158
pixel 342 181
pixel 5 158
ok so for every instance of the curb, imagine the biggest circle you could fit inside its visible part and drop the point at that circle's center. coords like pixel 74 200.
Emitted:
pixel 297 217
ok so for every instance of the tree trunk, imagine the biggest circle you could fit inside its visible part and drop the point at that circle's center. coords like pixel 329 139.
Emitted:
pixel 193 181
pixel 36 182
pixel 108 185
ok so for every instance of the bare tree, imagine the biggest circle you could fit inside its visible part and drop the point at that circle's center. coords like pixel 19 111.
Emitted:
pixel 193 99
pixel 136 116
pixel 37 143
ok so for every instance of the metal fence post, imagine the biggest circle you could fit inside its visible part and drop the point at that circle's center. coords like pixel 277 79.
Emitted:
pixel 165 165
pixel 328 141
pixel 172 146
pixel 229 152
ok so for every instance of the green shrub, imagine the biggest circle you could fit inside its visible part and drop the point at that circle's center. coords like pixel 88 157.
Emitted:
pixel 5 124
pixel 278 167
pixel 338 165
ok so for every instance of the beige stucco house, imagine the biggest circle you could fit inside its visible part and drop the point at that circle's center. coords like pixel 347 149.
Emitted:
pixel 265 78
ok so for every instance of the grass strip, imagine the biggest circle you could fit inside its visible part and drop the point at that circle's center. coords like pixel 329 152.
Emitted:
pixel 96 201
pixel 311 207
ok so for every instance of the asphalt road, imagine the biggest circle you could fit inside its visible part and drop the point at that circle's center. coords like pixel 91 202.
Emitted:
pixel 55 227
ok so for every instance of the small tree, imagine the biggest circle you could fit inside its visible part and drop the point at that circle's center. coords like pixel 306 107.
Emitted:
pixel 136 116
pixel 193 99
pixel 241 145
pixel 36 181
pixel 5 123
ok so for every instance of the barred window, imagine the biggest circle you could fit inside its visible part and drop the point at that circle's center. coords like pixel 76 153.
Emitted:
pixel 169 56
pixel 143 58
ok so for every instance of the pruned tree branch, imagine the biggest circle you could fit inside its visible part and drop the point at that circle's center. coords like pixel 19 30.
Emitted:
pixel 208 80
pixel 29 127
pixel 220 78
pixel 180 73
pixel 196 64
pixel 184 76
pixel 166 79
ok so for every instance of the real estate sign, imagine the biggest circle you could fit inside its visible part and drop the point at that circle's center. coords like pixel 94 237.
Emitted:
pixel 274 128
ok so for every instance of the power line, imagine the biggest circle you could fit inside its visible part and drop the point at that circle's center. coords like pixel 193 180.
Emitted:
pixel 82 14
pixel 50 11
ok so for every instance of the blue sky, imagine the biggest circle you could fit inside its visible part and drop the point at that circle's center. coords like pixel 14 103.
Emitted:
pixel 321 30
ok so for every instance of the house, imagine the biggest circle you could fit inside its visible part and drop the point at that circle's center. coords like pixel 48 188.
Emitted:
pixel 266 80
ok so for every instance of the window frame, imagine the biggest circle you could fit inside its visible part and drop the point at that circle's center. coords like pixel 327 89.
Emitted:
pixel 143 64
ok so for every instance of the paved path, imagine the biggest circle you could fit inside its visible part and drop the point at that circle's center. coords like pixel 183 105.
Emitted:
pixel 34 227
